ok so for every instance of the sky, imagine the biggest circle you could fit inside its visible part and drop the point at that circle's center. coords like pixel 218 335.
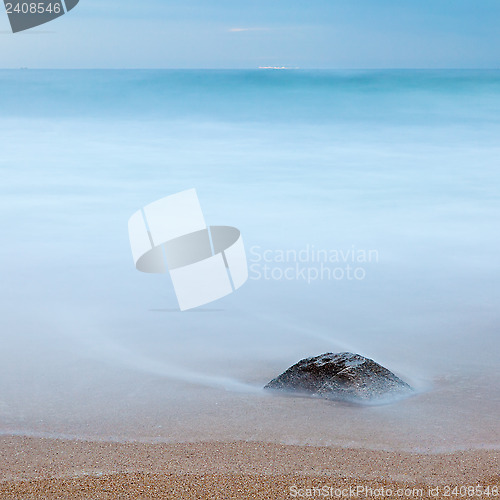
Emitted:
pixel 253 33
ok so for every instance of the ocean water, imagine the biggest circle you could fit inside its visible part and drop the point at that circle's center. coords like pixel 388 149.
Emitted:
pixel 403 166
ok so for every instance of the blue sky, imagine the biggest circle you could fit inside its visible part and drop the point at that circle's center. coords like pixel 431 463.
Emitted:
pixel 253 33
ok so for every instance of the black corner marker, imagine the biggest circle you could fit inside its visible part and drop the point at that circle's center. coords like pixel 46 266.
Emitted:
pixel 26 14
pixel 71 4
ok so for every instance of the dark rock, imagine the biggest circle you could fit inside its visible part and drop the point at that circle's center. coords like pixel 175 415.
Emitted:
pixel 344 376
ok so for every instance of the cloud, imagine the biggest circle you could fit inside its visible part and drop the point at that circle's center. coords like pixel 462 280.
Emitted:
pixel 239 30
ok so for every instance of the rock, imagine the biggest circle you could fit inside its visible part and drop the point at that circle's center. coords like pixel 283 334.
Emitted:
pixel 344 376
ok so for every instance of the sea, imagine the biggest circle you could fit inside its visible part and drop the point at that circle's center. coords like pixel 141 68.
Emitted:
pixel 368 203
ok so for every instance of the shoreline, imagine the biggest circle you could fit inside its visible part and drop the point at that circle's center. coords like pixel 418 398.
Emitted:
pixel 55 468
pixel 155 441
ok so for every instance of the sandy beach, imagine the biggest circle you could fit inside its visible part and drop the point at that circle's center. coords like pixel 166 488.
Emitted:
pixel 35 468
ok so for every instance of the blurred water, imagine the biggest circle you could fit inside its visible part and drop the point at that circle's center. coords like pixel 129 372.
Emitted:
pixel 405 163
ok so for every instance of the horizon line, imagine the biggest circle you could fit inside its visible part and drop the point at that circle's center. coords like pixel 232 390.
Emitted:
pixel 252 68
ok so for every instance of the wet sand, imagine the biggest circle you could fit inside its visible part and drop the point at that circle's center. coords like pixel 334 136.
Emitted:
pixel 35 468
